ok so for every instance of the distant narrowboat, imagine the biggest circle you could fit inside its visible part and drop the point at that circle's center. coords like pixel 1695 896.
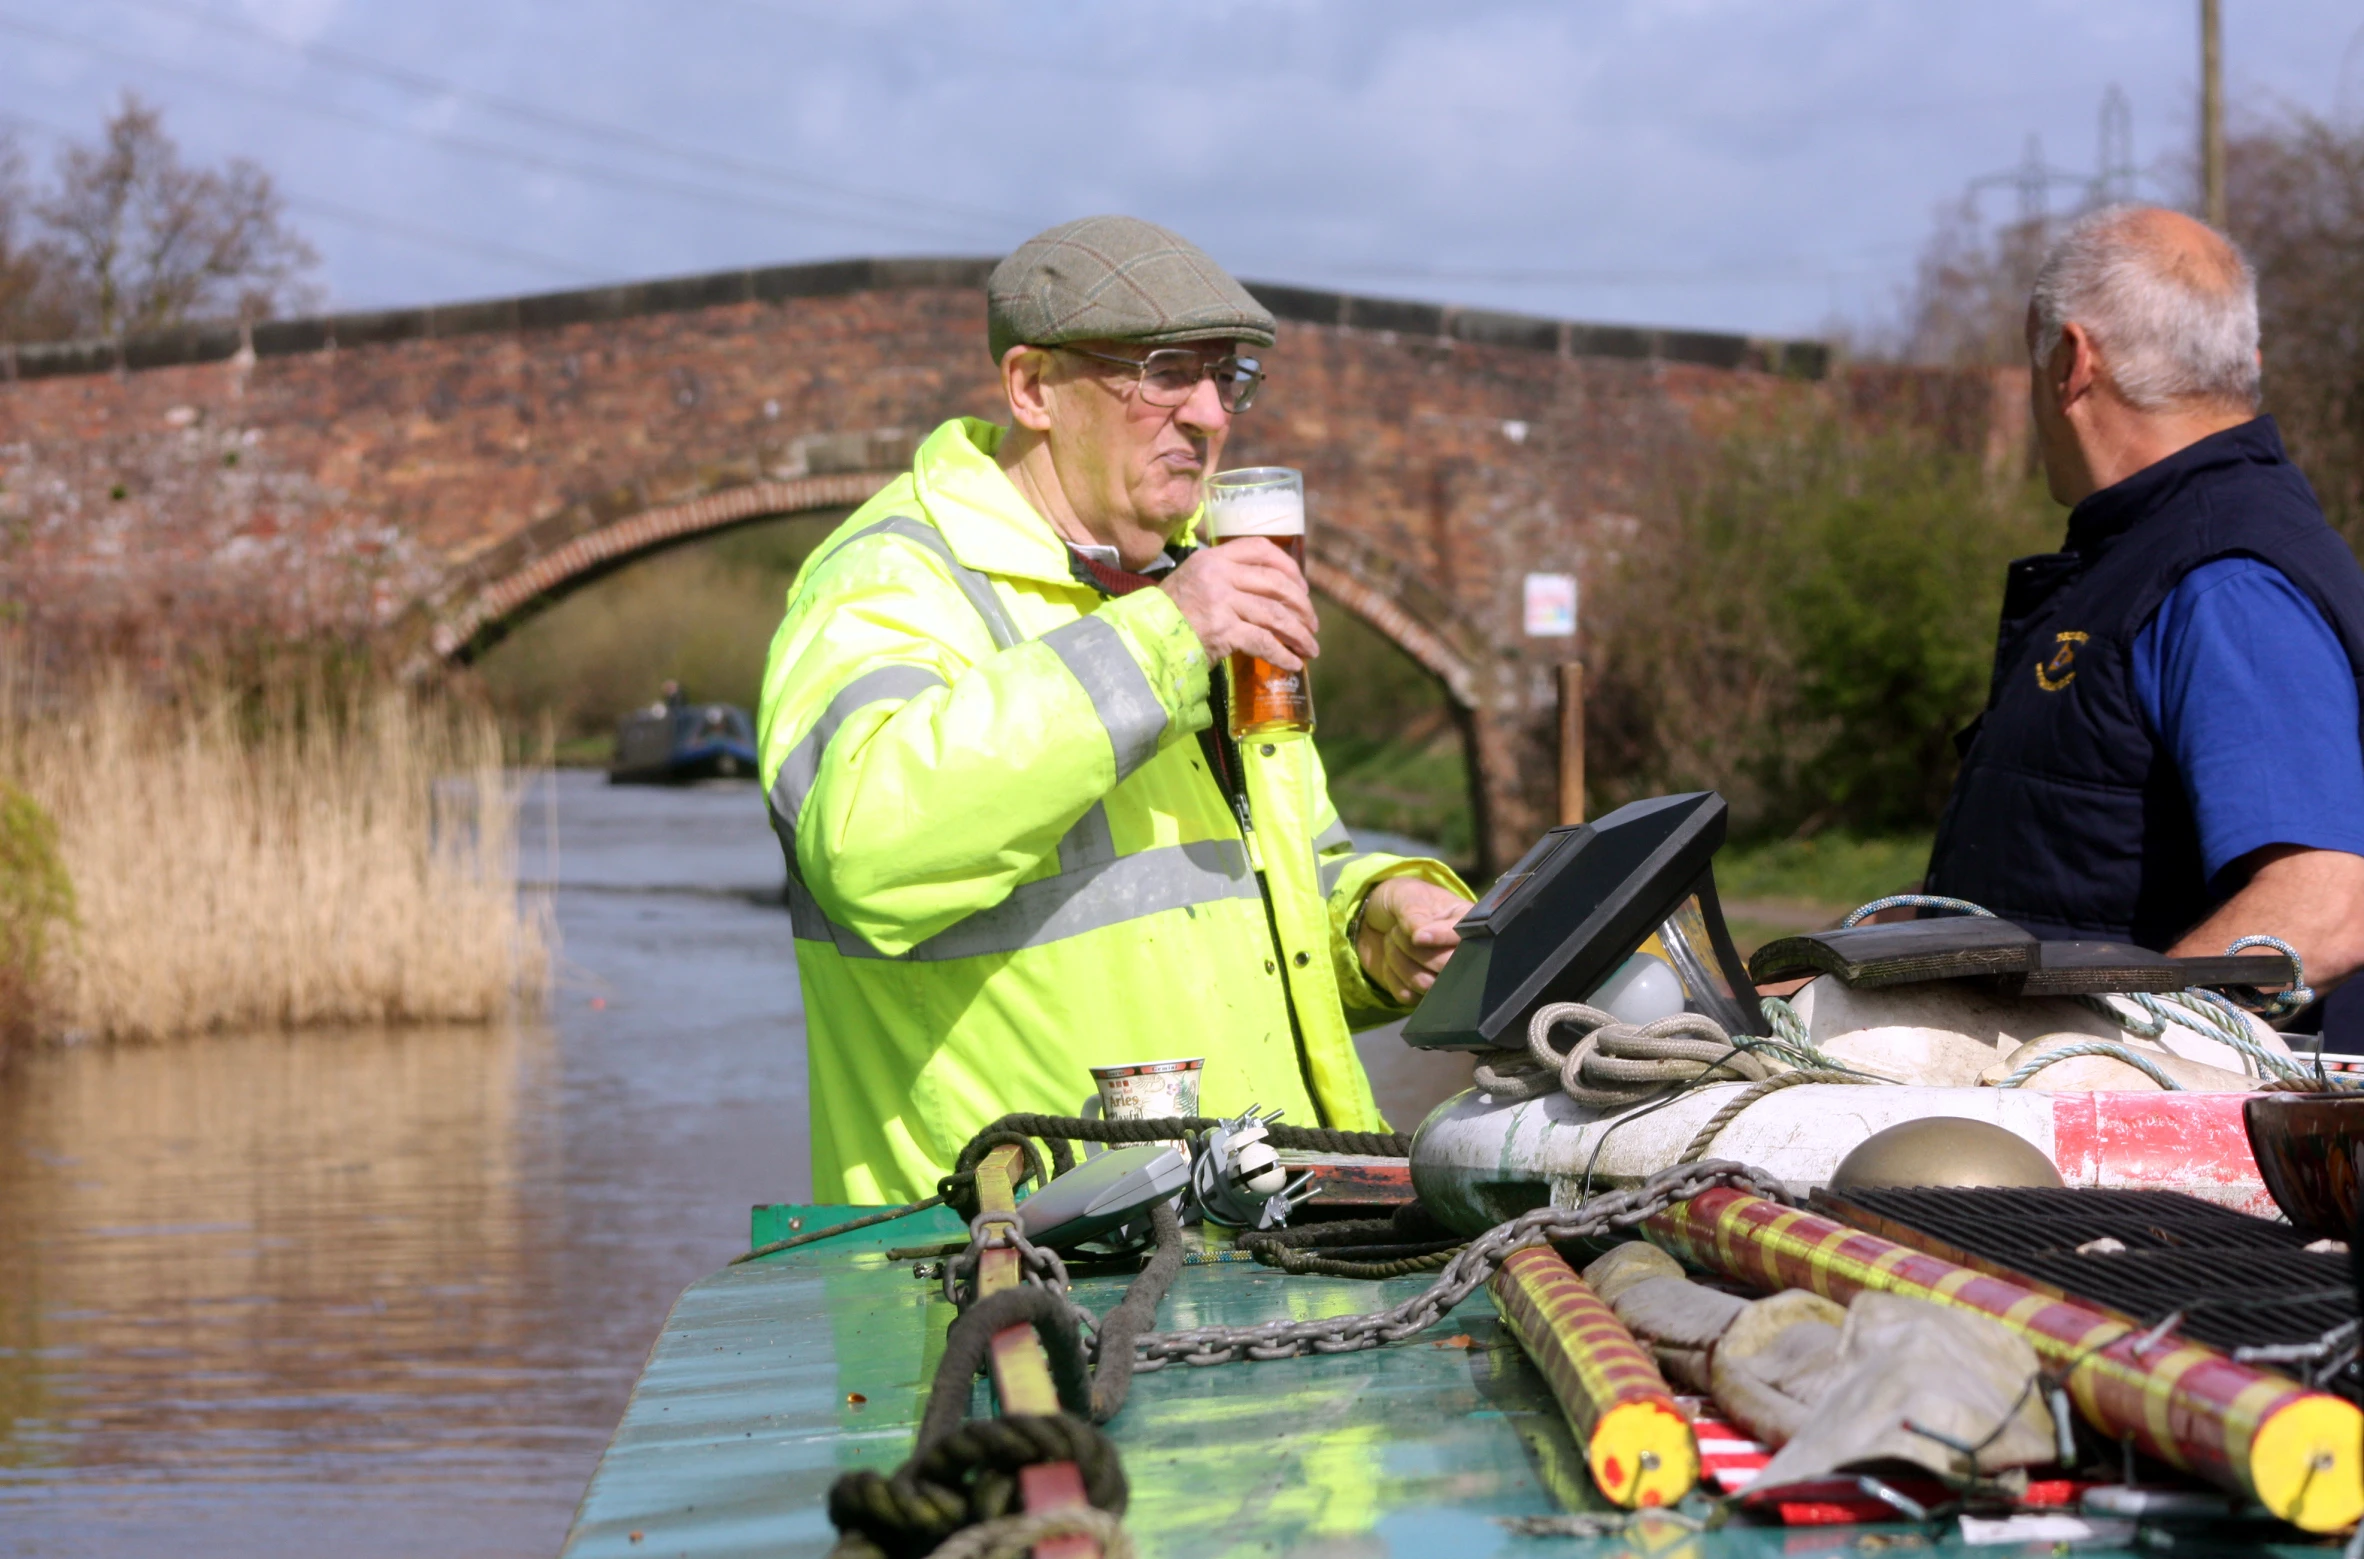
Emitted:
pixel 672 742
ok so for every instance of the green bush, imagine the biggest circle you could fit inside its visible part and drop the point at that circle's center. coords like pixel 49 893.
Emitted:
pixel 1817 624
pixel 36 901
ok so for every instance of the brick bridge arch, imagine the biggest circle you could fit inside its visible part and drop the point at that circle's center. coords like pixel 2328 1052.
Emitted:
pixel 571 548
pixel 419 477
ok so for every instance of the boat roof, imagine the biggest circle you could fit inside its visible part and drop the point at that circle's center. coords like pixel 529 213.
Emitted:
pixel 772 1378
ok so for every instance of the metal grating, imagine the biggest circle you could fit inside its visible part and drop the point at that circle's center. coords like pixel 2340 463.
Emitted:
pixel 2238 1281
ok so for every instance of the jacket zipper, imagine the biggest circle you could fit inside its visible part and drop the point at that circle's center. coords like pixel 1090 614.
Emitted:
pixel 1230 767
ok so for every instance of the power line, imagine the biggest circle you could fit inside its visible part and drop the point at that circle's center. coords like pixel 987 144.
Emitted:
pixel 1771 273
pixel 533 113
pixel 614 176
pixel 411 231
pixel 440 238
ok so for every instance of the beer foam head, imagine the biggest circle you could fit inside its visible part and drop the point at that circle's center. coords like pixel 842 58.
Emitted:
pixel 1265 502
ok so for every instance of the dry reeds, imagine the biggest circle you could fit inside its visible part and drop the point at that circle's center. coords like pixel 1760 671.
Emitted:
pixel 307 856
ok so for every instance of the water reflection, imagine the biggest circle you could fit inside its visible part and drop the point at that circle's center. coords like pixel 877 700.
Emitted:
pixel 384 1292
pixel 264 1228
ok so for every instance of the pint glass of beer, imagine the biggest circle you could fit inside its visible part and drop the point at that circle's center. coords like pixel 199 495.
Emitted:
pixel 1266 501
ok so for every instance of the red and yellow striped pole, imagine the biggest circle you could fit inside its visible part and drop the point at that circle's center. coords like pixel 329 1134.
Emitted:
pixel 1635 1440
pixel 2295 1451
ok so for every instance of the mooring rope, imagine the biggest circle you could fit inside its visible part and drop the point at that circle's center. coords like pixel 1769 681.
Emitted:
pixel 1613 1064
pixel 1731 1109
pixel 2092 1047
pixel 1863 912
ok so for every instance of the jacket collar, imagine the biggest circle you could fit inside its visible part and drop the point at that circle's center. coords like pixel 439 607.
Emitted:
pixel 2105 515
pixel 985 519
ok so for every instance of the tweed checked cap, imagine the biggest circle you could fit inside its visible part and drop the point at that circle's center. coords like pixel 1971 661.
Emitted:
pixel 1116 278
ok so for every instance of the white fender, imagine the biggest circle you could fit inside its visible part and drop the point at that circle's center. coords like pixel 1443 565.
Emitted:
pixel 1476 1163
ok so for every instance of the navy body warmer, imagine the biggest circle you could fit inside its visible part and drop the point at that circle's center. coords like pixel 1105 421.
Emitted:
pixel 2069 815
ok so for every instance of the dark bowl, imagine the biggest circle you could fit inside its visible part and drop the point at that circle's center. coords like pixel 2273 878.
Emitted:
pixel 2310 1150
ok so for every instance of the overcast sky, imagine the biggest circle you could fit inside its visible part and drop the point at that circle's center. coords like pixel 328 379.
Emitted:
pixel 1754 165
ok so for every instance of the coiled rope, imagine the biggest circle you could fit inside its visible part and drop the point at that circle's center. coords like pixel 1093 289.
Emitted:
pixel 1614 1065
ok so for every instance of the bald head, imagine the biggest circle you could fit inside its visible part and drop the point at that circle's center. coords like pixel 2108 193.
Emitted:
pixel 2169 303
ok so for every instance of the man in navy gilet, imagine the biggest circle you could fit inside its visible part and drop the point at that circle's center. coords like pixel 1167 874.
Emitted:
pixel 2170 754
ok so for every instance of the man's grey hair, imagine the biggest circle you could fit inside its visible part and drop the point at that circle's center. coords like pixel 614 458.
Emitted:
pixel 2173 323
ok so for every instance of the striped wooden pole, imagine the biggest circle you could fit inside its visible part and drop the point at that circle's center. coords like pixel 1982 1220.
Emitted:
pixel 1021 1369
pixel 2295 1451
pixel 1635 1440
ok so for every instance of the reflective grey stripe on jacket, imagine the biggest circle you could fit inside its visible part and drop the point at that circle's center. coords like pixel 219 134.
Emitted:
pixel 974 585
pixel 1094 887
pixel 1334 868
pixel 801 769
pixel 1095 655
pixel 1052 909
pixel 1329 868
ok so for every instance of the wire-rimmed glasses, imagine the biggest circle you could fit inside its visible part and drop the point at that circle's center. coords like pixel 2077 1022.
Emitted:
pixel 1169 375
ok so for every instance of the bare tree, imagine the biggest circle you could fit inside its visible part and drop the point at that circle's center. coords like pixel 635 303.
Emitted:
pixel 32 306
pixel 1968 305
pixel 2296 205
pixel 135 239
pixel 2296 195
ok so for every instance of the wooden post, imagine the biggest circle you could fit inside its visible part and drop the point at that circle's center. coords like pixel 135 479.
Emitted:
pixel 1572 742
pixel 2212 195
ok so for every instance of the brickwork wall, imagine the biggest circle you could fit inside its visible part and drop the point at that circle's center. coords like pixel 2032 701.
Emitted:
pixel 417 477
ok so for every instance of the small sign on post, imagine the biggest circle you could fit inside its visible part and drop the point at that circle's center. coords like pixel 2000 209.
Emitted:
pixel 1551 606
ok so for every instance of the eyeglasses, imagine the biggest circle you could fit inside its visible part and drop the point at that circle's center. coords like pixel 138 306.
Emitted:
pixel 1169 375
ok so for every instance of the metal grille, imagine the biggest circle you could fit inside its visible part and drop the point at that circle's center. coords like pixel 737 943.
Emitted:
pixel 2238 1281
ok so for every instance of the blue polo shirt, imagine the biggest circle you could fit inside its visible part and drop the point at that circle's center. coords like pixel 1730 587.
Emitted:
pixel 2245 683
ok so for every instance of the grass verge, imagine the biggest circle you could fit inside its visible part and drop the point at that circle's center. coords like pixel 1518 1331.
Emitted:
pixel 1778 887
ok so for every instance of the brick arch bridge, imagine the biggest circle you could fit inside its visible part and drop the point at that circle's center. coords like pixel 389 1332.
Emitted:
pixel 421 477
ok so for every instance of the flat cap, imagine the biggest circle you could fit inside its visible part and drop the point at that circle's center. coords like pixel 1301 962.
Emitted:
pixel 1116 278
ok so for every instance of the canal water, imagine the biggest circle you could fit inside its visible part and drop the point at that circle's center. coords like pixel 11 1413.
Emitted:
pixel 384 1293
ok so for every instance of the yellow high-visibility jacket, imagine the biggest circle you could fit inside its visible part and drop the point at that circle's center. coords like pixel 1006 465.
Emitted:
pixel 1008 861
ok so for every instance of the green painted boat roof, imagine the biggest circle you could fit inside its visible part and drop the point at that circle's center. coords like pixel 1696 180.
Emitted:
pixel 772 1378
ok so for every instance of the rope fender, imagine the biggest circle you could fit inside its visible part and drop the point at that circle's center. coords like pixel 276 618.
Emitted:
pixel 969 1477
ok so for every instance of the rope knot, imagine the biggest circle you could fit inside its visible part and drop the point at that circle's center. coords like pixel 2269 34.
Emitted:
pixel 967 1477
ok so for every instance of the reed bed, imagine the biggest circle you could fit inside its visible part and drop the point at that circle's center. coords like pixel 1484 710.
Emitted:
pixel 303 857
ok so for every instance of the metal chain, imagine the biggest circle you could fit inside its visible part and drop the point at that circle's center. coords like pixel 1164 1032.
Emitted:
pixel 1001 1231
pixel 1605 1214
